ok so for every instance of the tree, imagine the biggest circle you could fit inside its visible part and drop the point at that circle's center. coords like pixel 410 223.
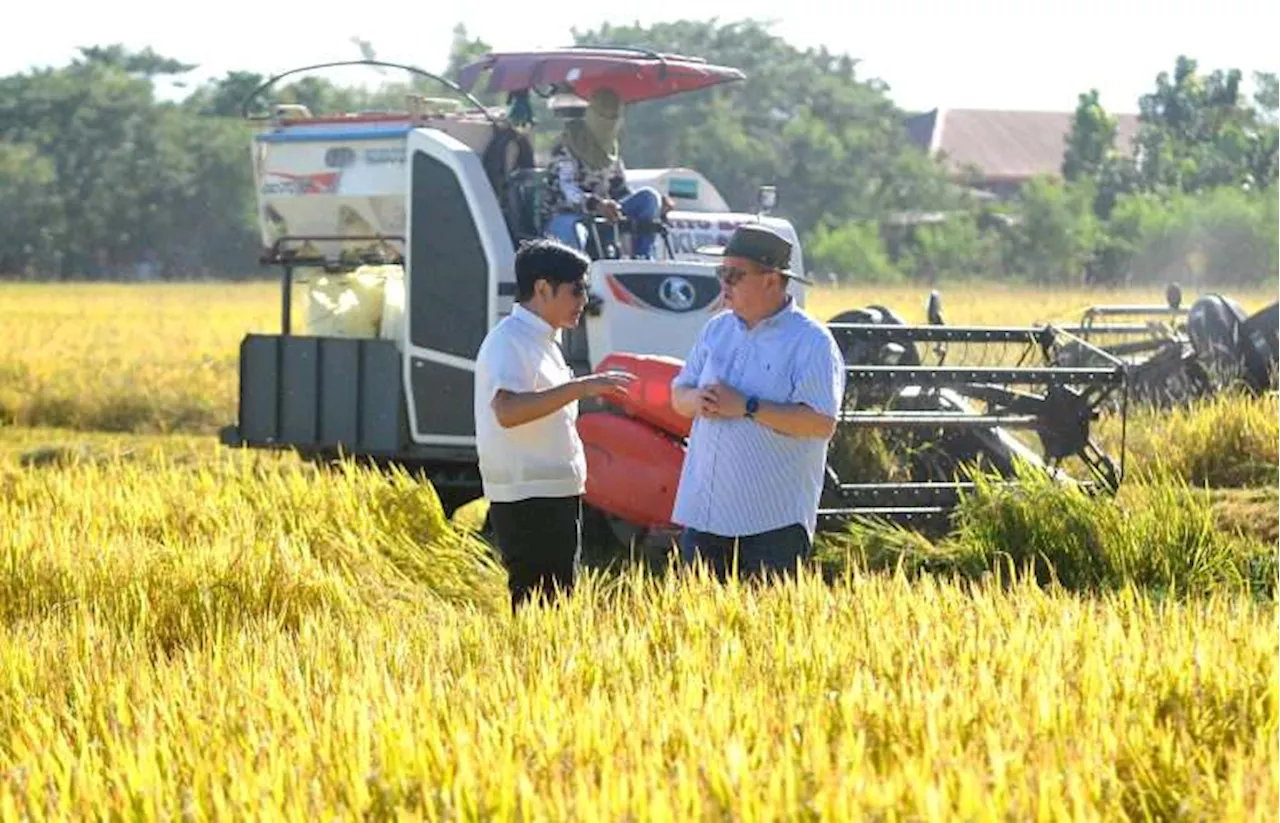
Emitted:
pixel 464 50
pixel 145 63
pixel 112 176
pixel 1091 141
pixel 1197 133
pixel 1055 234
pixel 1092 156
pixel 130 176
pixel 96 174
pixel 224 97
pixel 1266 99
pixel 27 200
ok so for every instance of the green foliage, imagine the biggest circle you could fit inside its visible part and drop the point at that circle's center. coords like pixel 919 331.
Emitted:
pixel 466 49
pixel 114 177
pixel 1197 133
pixel 950 250
pixel 854 250
pixel 1221 236
pixel 1054 237
pixel 1162 537
pixel 1091 142
pixel 98 175
pixel 1267 96
pixel 129 177
pixel 28 232
pixel 145 63
pixel 1194 202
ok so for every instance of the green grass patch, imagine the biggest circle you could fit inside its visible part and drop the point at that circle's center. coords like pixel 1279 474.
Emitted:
pixel 1161 536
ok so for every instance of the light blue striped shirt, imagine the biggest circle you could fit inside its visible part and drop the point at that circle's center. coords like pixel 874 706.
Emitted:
pixel 741 477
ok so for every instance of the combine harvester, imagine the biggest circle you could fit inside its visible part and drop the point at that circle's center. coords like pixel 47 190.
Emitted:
pixel 404 227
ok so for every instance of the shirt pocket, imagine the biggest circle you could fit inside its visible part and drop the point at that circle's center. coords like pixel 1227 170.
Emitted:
pixel 769 378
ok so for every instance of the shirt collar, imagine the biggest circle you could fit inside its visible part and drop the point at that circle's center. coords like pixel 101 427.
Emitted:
pixel 788 308
pixel 533 321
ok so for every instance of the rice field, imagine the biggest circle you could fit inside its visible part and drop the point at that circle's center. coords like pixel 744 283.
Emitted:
pixel 189 632
pixel 162 358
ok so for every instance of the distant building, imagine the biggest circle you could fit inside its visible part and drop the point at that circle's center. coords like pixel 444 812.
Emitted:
pixel 999 151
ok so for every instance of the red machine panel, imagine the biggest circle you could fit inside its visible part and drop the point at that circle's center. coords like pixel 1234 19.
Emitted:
pixel 632 468
pixel 649 398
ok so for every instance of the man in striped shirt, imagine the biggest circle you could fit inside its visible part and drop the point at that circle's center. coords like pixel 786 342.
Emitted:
pixel 764 383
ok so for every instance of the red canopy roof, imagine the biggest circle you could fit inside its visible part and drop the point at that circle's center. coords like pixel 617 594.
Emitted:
pixel 635 74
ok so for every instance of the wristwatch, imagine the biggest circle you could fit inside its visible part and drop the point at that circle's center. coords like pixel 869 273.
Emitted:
pixel 753 405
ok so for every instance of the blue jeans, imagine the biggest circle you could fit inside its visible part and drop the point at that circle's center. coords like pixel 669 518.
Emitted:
pixel 773 552
pixel 641 205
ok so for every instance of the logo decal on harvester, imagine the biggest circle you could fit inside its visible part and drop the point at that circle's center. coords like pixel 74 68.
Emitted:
pixel 382 156
pixel 297 184
pixel 670 294
pixel 677 293
pixel 339 157
pixel 687 234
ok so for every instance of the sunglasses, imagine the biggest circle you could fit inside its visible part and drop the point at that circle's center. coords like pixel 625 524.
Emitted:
pixel 730 275
pixel 577 288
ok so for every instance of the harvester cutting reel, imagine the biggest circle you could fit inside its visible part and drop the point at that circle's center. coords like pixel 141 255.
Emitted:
pixel 927 406
pixel 1175 354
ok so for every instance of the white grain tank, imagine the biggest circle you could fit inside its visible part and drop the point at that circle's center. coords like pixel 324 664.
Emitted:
pixel 343 177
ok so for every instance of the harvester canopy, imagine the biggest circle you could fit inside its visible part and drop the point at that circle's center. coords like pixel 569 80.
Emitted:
pixel 635 74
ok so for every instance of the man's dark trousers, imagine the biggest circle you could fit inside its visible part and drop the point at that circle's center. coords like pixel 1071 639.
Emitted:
pixel 540 540
pixel 774 552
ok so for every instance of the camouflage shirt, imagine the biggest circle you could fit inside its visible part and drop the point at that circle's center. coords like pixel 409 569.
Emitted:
pixel 573 188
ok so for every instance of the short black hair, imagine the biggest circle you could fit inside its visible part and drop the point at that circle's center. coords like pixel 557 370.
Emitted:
pixel 550 260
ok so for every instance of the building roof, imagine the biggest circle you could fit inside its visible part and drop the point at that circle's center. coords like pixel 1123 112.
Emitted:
pixel 1005 145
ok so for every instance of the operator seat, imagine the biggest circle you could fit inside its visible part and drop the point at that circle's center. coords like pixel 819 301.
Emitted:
pixel 521 201
pixel 522 204
pixel 508 163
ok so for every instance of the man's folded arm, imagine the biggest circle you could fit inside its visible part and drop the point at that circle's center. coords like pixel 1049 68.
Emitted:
pixel 796 420
pixel 815 398
pixel 684 386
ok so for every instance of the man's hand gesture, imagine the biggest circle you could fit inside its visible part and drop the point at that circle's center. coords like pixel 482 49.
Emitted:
pixel 719 400
pixel 594 385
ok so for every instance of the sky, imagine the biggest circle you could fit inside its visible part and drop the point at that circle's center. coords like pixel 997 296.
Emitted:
pixel 1031 54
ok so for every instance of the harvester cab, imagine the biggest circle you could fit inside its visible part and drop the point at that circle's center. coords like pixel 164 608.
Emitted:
pixel 402 226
